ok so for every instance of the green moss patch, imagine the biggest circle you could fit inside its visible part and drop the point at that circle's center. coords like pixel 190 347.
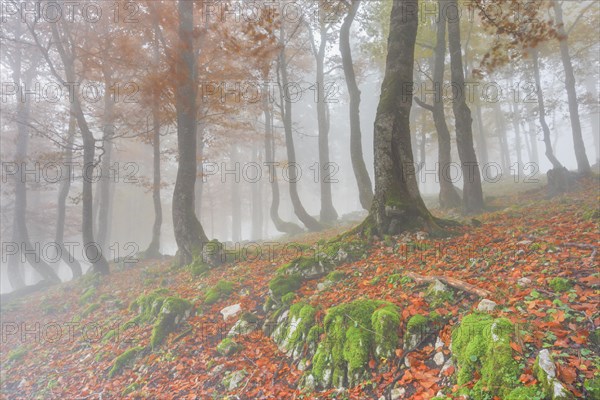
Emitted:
pixel 220 291
pixel 124 359
pixel 228 347
pixel 416 329
pixel 291 334
pixel 198 268
pixel 481 345
pixel 560 284
pixel 17 354
pixel 355 332
pixel 87 295
pixel 165 312
pixel 284 284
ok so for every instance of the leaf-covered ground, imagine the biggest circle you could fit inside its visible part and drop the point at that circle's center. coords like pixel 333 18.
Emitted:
pixel 55 344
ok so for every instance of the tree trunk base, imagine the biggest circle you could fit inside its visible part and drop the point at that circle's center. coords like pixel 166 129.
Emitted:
pixel 560 180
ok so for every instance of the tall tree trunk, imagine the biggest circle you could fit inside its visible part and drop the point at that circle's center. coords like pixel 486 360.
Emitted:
pixel 472 192
pixel 280 225
pixel 92 250
pixel 501 128
pixel 583 165
pixel 516 119
pixel 286 111
pixel 236 201
pixel 449 197
pixel 189 234
pixel 257 203
pixel 365 187
pixel 480 137
pixel 153 249
pixel 104 186
pixel 328 213
pixel 63 193
pixel 20 232
pixel 397 204
pixel 534 156
pixel 542 111
pixel 592 86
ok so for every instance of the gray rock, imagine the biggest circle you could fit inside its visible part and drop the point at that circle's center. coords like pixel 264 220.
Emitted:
pixel 438 358
pixel 397 393
pixel 524 281
pixel 233 379
pixel 486 305
pixel 231 311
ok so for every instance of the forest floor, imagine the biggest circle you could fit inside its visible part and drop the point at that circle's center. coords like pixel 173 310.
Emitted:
pixel 55 344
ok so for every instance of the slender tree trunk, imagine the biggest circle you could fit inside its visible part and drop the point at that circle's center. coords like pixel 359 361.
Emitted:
pixel 583 165
pixel 104 186
pixel 501 129
pixel 534 157
pixel 189 234
pixel 286 110
pixel 472 192
pixel 397 204
pixel 592 86
pixel 63 193
pixel 449 197
pixel 20 232
pixel 257 203
pixel 236 201
pixel 365 187
pixel 153 250
pixel 328 213
pixel 516 119
pixel 280 225
pixel 542 111
pixel 480 138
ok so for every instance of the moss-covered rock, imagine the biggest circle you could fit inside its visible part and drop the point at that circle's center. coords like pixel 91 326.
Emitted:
pixel 90 309
pixel 198 268
pixel 87 295
pixel 124 359
pixel 354 335
pixel 247 323
pixel 438 294
pixel 284 284
pixel 291 332
pixel 220 291
pixel 232 379
pixel 307 267
pixel 18 353
pixel 164 311
pixel 416 329
pixel 481 345
pixel 228 347
pixel 545 372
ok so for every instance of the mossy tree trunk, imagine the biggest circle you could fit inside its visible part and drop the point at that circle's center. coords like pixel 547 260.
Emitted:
pixel 397 204
pixel 472 191
pixel 189 234
pixel 365 187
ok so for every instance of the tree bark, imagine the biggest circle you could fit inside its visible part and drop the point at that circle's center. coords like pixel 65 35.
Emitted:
pixel 328 213
pixel 104 186
pixel 63 193
pixel 472 192
pixel 542 111
pixel 153 249
pixel 236 201
pixel 397 204
pixel 448 197
pixel 365 187
pixel 189 234
pixel 280 225
pixel 516 119
pixel 286 111
pixel 20 232
pixel 583 164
